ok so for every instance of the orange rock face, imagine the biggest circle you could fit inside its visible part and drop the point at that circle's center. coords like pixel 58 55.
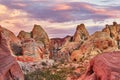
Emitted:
pixel 105 66
pixel 9 68
pixel 112 30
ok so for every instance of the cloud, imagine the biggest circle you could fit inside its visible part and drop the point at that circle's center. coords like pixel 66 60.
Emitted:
pixel 58 18
pixel 63 12
pixel 61 7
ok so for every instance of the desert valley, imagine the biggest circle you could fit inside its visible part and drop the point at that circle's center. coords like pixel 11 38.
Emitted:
pixel 81 56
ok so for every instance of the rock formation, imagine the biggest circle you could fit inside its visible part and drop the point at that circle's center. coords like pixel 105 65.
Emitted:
pixel 114 32
pixel 74 42
pixel 97 43
pixel 9 68
pixel 40 35
pixel 33 44
pixel 14 42
pixel 105 66
pixel 81 33
pixel 31 51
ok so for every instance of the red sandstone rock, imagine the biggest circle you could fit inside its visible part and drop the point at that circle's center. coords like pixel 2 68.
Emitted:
pixel 9 68
pixel 105 66
pixel 14 42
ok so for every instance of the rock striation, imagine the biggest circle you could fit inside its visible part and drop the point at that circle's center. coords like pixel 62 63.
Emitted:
pixel 14 42
pixel 105 66
pixel 9 68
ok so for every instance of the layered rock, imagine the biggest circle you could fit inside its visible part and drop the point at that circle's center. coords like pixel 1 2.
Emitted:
pixel 105 66
pixel 14 42
pixel 9 68
pixel 81 33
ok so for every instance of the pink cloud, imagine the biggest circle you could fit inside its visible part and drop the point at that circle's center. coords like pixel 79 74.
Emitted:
pixel 60 7
pixel 102 11
pixel 20 4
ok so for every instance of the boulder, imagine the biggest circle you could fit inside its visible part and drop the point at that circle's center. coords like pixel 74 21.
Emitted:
pixel 104 66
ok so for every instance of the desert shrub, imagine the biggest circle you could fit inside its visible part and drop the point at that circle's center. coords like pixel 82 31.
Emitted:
pixel 43 75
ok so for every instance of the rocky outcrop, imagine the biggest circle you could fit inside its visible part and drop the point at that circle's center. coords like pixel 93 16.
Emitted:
pixel 97 43
pixel 81 33
pixel 40 35
pixel 14 42
pixel 34 44
pixel 9 68
pixel 105 66
pixel 114 32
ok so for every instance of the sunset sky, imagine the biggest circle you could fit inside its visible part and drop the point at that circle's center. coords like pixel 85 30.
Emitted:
pixel 58 17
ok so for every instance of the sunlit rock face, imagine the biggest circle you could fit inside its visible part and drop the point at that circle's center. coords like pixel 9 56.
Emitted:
pixel 105 66
pixel 24 35
pixel 40 35
pixel 114 32
pixel 75 41
pixel 81 33
pixel 34 44
pixel 37 33
pixel 9 68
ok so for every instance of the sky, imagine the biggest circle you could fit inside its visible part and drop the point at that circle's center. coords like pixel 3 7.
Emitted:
pixel 58 17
